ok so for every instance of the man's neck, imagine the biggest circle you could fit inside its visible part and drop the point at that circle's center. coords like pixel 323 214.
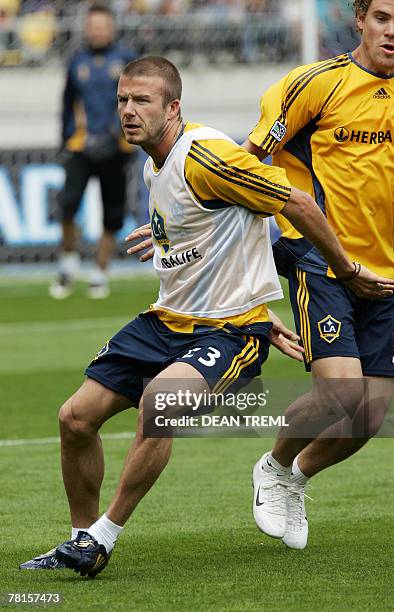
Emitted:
pixel 167 139
pixel 364 60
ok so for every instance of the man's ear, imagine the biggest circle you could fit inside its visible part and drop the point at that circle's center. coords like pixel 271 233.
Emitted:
pixel 360 20
pixel 174 110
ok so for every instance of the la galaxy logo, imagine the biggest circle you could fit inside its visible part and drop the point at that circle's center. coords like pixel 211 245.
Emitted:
pixel 329 328
pixel 159 231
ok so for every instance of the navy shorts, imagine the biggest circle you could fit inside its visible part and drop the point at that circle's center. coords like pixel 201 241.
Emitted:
pixel 333 322
pixel 146 346
pixel 112 176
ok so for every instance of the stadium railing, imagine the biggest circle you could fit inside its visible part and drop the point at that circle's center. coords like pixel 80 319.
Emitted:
pixel 41 38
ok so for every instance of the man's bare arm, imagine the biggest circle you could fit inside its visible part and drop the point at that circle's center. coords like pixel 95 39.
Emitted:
pixel 305 215
pixel 254 149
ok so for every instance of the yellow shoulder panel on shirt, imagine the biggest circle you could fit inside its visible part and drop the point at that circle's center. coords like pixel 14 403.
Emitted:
pixel 292 102
pixel 221 173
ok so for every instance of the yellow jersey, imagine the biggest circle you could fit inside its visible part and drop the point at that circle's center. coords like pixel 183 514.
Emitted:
pixel 330 126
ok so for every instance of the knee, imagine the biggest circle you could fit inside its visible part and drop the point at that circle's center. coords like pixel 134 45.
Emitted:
pixel 74 429
pixel 339 398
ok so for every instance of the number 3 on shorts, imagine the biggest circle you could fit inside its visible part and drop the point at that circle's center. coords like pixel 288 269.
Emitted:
pixel 212 355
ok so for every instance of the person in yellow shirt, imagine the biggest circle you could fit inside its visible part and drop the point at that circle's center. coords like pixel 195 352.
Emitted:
pixel 330 126
pixel 208 199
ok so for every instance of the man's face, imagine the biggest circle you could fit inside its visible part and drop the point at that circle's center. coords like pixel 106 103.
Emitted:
pixel 141 108
pixel 99 30
pixel 377 27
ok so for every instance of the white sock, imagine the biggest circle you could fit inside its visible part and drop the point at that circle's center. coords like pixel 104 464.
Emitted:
pixel 69 263
pixel 296 475
pixel 272 464
pixel 97 276
pixel 105 532
pixel 74 531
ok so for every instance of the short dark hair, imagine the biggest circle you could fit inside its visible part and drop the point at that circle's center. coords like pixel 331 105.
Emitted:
pixel 361 7
pixel 156 66
pixel 97 7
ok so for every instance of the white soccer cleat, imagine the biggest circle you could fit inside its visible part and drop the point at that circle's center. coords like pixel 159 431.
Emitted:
pixel 98 291
pixel 269 500
pixel 62 288
pixel 98 284
pixel 296 535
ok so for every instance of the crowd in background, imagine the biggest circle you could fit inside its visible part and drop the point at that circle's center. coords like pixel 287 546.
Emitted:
pixel 35 31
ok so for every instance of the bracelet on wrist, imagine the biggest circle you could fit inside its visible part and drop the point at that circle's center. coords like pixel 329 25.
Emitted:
pixel 353 274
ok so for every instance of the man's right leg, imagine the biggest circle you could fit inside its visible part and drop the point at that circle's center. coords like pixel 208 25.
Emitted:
pixel 80 418
pixel 82 458
pixel 89 552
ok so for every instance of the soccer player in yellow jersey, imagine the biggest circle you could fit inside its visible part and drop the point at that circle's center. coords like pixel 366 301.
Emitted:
pixel 330 126
pixel 208 201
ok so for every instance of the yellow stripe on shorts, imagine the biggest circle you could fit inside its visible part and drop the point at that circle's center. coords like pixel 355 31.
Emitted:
pixel 248 355
pixel 303 302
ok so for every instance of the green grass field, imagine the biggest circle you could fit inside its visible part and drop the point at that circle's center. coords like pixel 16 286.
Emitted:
pixel 192 543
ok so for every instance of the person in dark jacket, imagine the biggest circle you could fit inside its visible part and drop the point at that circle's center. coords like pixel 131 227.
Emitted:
pixel 93 146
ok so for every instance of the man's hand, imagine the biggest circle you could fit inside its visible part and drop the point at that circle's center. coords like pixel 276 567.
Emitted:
pixel 144 231
pixel 284 339
pixel 369 285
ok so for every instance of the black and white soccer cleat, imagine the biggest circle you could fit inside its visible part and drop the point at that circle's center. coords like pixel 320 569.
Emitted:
pixel 46 561
pixel 84 555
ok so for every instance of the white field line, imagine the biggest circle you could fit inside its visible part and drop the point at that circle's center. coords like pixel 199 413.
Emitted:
pixel 12 275
pixel 123 435
pixel 136 285
pixel 200 432
pixel 62 325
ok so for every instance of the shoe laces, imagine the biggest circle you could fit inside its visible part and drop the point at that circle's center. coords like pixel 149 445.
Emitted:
pixel 296 503
pixel 276 493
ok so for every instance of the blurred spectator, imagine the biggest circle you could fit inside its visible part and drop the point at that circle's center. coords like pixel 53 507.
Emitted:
pixel 94 146
pixel 172 8
pixel 9 8
pixel 337 30
pixel 37 28
pixel 9 53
